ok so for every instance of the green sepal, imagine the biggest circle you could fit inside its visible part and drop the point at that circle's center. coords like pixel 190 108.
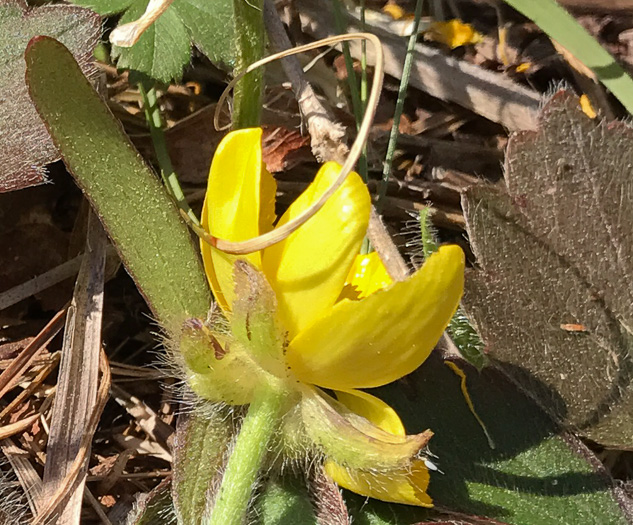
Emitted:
pixel 254 319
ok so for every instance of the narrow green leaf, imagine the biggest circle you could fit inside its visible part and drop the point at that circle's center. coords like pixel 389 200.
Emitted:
pixel 199 455
pixel 562 27
pixel 250 38
pixel 143 223
pixel 533 476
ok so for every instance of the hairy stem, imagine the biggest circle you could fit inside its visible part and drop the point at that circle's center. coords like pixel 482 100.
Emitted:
pixel 242 470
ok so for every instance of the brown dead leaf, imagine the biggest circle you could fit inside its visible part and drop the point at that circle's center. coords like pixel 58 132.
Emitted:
pixel 283 148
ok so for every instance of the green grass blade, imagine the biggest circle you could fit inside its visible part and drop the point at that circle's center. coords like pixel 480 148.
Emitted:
pixel 562 27
pixel 143 223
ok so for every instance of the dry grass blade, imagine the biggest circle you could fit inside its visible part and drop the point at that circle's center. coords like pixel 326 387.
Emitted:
pixel 41 282
pixel 18 427
pixel 64 488
pixel 146 418
pixel 387 250
pixel 26 474
pixel 78 377
pixel 34 385
pixel 128 34
pixel 13 372
pixel 326 135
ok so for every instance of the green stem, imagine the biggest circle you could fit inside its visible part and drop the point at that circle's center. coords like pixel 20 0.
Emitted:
pixel 359 100
pixel 247 97
pixel 402 93
pixel 341 27
pixel 242 471
pixel 167 173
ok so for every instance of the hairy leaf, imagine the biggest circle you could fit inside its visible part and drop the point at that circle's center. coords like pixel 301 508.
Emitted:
pixel 534 475
pixel 164 49
pixel 24 142
pixel 200 451
pixel 553 299
pixel 286 504
pixel 143 223
pixel 154 508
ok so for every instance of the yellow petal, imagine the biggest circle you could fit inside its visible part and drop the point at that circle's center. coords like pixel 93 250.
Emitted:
pixel 367 275
pixel 404 485
pixel 238 206
pixel 369 343
pixel 308 269
pixel 373 409
pixel 587 108
pixel 453 33
pixel 351 439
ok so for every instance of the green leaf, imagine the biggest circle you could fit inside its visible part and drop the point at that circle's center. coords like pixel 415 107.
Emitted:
pixel 26 145
pixel 554 297
pixel 162 51
pixel 105 7
pixel 283 503
pixel 199 456
pixel 153 242
pixel 533 476
pixel 212 27
pixel 154 508
pixel 165 48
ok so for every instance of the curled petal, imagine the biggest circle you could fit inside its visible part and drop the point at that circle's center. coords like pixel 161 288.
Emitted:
pixel 352 440
pixel 372 342
pixel 239 205
pixel 308 269
pixel 374 409
pixel 400 485
pixel 404 485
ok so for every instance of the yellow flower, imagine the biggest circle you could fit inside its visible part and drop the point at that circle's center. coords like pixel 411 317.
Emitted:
pixel 309 313
pixel 453 33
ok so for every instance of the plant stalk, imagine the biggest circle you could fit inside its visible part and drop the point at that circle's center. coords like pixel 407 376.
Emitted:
pixel 247 97
pixel 167 173
pixel 252 444
pixel 402 93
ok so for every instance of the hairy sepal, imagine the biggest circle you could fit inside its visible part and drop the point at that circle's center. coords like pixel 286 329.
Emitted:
pixel 353 441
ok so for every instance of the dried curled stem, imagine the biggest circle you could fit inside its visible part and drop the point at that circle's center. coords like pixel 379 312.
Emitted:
pixel 281 233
